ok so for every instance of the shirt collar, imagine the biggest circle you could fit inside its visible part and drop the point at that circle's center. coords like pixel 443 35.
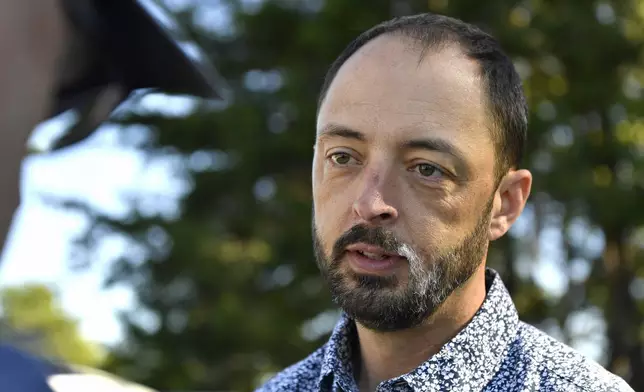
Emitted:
pixel 336 363
pixel 475 353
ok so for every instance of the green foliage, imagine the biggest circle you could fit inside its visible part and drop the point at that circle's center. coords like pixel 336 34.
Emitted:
pixel 233 282
pixel 32 315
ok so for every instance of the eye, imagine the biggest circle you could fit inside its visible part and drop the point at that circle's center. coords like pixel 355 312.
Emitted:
pixel 428 170
pixel 341 158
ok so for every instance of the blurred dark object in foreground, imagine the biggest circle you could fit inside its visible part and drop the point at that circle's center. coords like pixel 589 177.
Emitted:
pixel 117 47
pixel 121 46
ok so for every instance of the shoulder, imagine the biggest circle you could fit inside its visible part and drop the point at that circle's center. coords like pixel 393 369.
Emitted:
pixel 558 367
pixel 301 376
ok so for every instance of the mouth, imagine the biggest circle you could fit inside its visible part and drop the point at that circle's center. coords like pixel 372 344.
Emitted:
pixel 374 256
pixel 372 259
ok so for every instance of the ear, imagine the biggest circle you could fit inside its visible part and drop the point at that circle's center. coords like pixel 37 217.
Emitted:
pixel 509 201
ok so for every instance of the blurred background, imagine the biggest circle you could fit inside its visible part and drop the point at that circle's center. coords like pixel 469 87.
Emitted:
pixel 173 247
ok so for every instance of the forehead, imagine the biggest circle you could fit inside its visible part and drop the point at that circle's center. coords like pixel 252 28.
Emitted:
pixel 388 89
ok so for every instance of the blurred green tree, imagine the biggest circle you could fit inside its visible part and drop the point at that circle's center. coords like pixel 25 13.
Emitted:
pixel 33 320
pixel 232 284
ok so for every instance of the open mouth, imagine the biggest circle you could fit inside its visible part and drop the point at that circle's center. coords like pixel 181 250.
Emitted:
pixel 374 256
pixel 373 259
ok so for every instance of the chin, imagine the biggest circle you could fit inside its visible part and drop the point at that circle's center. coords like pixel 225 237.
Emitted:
pixel 387 319
pixel 380 303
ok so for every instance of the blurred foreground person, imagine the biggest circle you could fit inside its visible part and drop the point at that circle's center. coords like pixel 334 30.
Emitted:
pixel 421 129
pixel 86 56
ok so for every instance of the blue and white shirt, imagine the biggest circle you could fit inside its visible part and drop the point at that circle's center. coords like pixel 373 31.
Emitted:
pixel 495 352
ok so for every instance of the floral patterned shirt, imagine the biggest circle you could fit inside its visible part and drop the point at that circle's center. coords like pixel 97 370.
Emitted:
pixel 495 352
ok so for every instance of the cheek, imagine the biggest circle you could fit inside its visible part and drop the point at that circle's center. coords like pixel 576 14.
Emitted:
pixel 436 222
pixel 424 227
pixel 433 209
pixel 327 227
pixel 332 206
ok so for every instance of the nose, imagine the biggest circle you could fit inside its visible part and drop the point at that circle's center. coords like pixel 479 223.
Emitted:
pixel 370 205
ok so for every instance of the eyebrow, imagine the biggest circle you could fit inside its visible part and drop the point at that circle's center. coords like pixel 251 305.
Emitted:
pixel 332 130
pixel 437 145
pixel 428 144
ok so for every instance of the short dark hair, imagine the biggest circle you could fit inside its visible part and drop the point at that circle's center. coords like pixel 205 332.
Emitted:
pixel 502 83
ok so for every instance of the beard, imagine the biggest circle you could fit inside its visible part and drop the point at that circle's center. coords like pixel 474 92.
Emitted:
pixel 382 303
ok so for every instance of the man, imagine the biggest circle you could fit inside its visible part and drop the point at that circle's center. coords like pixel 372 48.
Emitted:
pixel 86 55
pixel 420 133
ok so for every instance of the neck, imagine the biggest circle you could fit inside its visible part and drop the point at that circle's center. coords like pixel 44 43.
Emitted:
pixel 386 355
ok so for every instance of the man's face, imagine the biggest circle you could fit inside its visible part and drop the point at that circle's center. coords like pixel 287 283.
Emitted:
pixel 31 43
pixel 403 181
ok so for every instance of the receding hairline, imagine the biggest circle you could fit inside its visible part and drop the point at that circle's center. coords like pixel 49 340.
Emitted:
pixel 416 45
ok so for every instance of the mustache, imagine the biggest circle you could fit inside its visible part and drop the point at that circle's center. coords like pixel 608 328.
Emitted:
pixel 376 236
